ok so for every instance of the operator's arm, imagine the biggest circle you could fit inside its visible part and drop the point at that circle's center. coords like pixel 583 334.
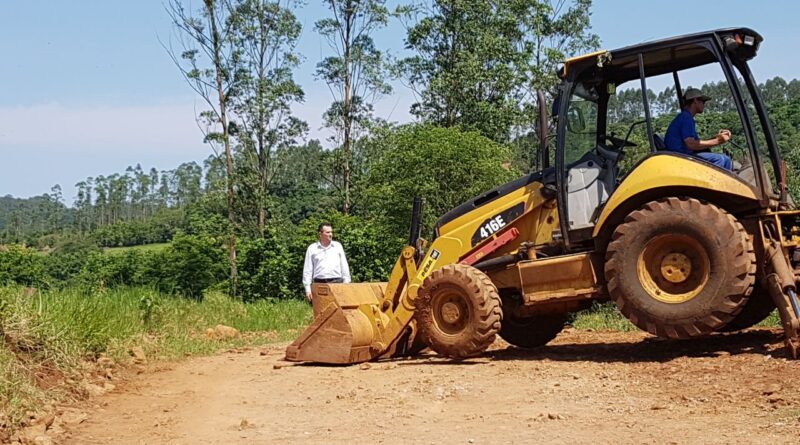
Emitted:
pixel 307 271
pixel 345 266
pixel 698 145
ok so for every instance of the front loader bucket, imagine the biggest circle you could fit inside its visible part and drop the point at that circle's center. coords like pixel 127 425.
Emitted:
pixel 344 326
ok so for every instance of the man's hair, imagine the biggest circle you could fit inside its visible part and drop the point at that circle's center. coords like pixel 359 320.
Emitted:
pixel 319 229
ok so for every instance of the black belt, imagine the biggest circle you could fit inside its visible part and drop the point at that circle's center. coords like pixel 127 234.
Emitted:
pixel 328 280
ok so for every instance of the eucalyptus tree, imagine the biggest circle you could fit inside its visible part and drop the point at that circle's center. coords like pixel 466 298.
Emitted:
pixel 552 31
pixel 266 33
pixel 152 193
pixel 101 200
pixel 356 72
pixel 465 68
pixel 57 210
pixel 84 205
pixel 479 63
pixel 208 61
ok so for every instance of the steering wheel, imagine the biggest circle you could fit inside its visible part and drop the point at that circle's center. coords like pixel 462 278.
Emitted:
pixel 618 143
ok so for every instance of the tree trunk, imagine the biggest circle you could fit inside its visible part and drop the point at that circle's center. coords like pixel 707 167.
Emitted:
pixel 347 112
pixel 223 120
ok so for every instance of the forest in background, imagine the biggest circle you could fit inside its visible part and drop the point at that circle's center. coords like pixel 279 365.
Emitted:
pixel 240 222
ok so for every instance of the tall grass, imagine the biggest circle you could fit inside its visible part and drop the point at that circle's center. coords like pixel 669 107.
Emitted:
pixel 49 336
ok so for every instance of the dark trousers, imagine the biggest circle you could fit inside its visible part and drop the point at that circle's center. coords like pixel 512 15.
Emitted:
pixel 328 280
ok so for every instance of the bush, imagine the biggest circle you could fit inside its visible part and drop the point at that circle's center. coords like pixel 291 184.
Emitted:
pixel 159 228
pixel 68 256
pixel 103 270
pixel 263 268
pixel 446 166
pixel 21 265
pixel 188 266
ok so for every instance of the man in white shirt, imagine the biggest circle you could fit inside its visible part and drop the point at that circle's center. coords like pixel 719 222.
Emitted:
pixel 325 261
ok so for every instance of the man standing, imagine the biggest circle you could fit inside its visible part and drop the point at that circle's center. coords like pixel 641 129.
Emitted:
pixel 682 136
pixel 325 261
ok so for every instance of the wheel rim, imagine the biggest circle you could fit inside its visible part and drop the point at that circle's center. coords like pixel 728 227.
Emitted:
pixel 450 310
pixel 673 268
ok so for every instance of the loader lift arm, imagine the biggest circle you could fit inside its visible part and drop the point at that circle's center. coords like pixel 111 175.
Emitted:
pixel 364 321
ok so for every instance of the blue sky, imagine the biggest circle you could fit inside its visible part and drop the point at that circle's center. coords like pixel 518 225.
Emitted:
pixel 87 88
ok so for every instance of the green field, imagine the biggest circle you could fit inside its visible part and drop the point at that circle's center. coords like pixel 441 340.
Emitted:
pixel 142 248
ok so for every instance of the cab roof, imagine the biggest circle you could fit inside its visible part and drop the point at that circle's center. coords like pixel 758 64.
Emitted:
pixel 661 56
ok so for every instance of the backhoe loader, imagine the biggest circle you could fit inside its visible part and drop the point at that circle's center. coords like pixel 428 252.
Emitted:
pixel 682 247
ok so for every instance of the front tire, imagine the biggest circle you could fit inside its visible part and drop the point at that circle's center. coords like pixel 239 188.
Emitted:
pixel 680 268
pixel 459 311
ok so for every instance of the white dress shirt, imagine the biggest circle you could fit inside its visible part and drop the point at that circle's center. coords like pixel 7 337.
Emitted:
pixel 325 262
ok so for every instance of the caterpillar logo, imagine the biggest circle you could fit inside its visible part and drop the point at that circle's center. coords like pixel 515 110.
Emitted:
pixel 427 268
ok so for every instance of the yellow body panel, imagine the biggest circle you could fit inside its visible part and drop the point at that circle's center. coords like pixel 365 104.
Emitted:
pixel 470 221
pixel 572 60
pixel 536 224
pixel 557 278
pixel 672 171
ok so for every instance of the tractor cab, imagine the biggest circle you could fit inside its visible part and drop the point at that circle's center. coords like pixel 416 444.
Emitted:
pixel 612 122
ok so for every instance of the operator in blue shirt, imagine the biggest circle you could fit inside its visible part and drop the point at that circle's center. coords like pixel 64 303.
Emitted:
pixel 682 136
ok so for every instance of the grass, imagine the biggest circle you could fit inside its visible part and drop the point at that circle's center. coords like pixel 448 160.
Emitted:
pixel 49 337
pixel 606 316
pixel 773 321
pixel 603 316
pixel 143 248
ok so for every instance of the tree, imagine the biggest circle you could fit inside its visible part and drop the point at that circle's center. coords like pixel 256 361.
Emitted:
pixel 355 74
pixel 56 220
pixel 449 167
pixel 267 33
pixel 552 31
pixel 209 63
pixel 465 71
pixel 479 64
pixel 298 188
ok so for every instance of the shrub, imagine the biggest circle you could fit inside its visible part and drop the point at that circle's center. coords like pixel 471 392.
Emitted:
pixel 446 166
pixel 21 265
pixel 264 264
pixel 189 265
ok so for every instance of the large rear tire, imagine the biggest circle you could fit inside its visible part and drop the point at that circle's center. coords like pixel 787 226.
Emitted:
pixel 757 309
pixel 459 311
pixel 680 268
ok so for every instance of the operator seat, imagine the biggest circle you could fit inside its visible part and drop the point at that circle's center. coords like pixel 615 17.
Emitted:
pixel 590 181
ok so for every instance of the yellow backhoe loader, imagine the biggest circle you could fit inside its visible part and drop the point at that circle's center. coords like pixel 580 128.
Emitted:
pixel 683 248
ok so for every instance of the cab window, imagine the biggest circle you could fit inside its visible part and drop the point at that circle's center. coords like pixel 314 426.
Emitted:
pixel 581 127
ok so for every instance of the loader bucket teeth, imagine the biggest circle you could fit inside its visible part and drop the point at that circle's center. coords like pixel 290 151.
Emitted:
pixel 344 326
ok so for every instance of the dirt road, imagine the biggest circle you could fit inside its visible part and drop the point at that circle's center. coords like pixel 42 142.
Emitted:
pixel 585 387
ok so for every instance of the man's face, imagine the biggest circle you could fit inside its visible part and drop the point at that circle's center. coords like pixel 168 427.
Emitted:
pixel 326 234
pixel 700 106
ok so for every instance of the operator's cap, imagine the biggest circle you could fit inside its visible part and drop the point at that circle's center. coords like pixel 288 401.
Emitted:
pixel 694 93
